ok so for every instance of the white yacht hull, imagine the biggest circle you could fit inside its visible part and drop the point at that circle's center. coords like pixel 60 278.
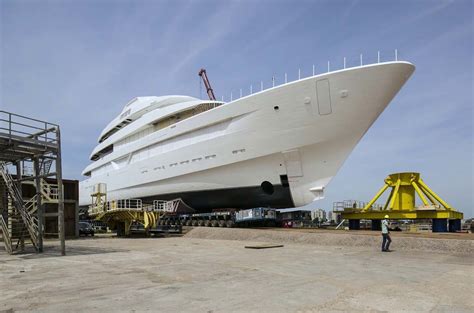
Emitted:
pixel 295 136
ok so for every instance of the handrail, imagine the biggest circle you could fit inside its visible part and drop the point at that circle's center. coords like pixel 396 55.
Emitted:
pixel 28 118
pixel 128 204
pixel 14 125
pixel 28 220
pixel 6 235
pixel 395 56
pixel 170 206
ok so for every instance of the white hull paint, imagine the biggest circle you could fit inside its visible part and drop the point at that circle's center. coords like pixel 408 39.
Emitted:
pixel 303 129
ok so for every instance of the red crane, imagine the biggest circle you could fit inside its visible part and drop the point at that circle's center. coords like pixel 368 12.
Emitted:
pixel 209 90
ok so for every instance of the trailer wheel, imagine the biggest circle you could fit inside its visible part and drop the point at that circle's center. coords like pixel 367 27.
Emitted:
pixel 200 223
pixel 214 223
pixel 194 223
pixel 189 223
pixel 230 223
pixel 207 223
pixel 221 223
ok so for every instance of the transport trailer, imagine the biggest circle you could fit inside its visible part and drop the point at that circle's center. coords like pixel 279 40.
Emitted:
pixel 213 219
pixel 229 218
pixel 256 217
pixel 137 228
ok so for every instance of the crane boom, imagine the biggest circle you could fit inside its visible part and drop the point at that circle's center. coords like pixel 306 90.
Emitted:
pixel 207 84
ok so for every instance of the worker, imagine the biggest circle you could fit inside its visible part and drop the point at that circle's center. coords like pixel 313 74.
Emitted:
pixel 386 240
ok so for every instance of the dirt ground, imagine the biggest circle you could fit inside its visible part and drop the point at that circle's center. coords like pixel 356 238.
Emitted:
pixel 186 274
pixel 433 242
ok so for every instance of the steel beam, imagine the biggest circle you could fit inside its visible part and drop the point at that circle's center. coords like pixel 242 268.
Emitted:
pixel 39 204
pixel 62 236
pixel 403 215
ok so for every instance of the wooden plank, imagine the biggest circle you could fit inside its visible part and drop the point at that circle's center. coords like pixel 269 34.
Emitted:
pixel 264 246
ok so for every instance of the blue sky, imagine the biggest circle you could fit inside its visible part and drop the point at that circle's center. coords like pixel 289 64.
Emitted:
pixel 77 63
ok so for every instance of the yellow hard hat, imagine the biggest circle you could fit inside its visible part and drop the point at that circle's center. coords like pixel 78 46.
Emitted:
pixel 386 216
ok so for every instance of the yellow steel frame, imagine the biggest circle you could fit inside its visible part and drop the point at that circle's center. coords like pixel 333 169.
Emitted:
pixel 411 212
pixel 402 215
pixel 128 216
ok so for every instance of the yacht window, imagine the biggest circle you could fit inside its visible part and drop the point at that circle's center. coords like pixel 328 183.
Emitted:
pixel 125 114
pixel 115 129
pixel 103 152
pixel 170 120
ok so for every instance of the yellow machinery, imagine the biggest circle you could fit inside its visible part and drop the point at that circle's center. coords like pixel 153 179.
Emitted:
pixel 123 218
pixel 122 214
pixel 401 204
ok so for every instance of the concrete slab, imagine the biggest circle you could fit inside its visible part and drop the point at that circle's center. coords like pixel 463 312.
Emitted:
pixel 201 275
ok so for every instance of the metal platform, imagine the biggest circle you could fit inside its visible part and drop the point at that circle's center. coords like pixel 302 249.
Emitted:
pixel 30 152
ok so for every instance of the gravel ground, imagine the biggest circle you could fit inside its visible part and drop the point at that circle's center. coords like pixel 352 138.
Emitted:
pixel 337 238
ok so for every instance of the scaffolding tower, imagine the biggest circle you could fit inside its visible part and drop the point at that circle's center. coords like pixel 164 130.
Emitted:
pixel 30 153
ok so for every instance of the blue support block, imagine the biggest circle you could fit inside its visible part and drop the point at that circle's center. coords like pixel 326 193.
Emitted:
pixel 454 225
pixel 440 225
pixel 354 224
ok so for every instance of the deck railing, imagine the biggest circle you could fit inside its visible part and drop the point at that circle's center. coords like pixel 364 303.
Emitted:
pixel 14 126
pixel 340 206
pixel 346 63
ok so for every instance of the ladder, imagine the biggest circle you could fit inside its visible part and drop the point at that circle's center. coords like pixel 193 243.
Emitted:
pixel 24 222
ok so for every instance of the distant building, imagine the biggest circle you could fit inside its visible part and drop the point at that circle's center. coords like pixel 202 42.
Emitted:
pixel 329 216
pixel 319 214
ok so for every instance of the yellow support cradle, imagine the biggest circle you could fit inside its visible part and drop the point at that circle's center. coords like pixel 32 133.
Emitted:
pixel 127 217
pixel 401 202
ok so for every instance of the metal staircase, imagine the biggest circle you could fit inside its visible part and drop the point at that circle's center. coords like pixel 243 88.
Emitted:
pixel 21 223
pixel 49 192
pixel 33 147
pixel 6 235
pixel 45 166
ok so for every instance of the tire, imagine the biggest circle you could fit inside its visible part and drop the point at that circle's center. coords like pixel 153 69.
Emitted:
pixel 229 224
pixel 221 223
pixel 214 223
pixel 207 223
pixel 200 223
